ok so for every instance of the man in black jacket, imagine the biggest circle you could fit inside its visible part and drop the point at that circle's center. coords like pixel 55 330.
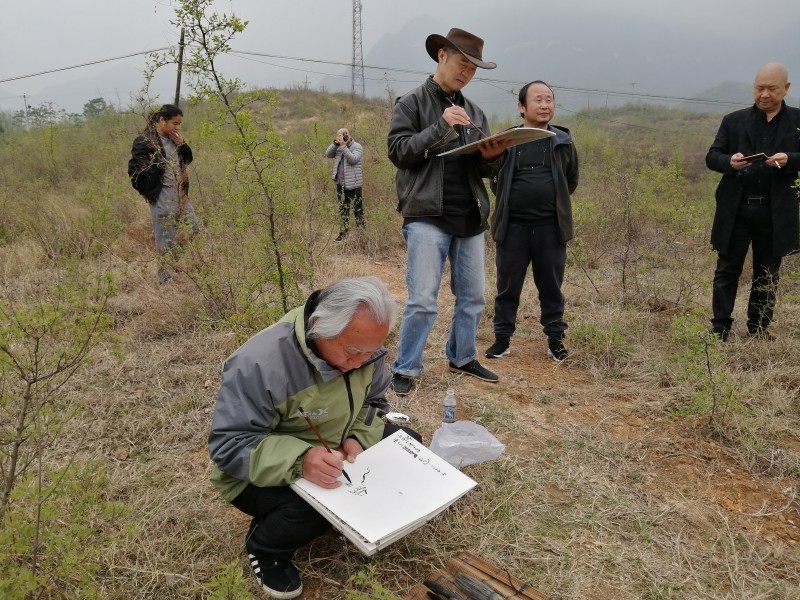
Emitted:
pixel 757 150
pixel 532 222
pixel 444 204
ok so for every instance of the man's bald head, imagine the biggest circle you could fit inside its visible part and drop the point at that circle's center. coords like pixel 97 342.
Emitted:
pixel 776 70
pixel 770 88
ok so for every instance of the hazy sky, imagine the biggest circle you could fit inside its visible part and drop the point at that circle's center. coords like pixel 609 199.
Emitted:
pixel 39 35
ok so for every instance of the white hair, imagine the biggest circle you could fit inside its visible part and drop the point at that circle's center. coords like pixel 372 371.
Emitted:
pixel 338 303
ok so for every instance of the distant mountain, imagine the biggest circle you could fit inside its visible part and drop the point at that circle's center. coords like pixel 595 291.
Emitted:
pixel 737 93
pixel 591 59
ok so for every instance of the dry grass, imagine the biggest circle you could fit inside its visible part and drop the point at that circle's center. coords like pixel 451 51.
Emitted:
pixel 599 494
pixel 604 490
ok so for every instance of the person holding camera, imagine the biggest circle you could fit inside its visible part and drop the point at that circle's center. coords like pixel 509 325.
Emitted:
pixel 347 154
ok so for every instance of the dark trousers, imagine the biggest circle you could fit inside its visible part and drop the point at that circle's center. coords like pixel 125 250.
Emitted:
pixel 753 225
pixel 346 199
pixel 282 520
pixel 539 247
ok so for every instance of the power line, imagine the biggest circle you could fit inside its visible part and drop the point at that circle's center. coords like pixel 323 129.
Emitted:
pixel 503 81
pixel 94 62
pixel 486 80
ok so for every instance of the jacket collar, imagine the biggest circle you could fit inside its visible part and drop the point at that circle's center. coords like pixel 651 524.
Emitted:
pixel 434 88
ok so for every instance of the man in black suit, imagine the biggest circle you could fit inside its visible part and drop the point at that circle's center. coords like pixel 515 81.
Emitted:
pixel 755 200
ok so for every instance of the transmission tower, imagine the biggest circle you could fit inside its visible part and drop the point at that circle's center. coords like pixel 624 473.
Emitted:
pixel 358 54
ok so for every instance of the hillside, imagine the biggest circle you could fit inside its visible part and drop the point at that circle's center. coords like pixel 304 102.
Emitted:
pixel 654 463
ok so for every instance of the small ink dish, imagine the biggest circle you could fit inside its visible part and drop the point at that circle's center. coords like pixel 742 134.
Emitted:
pixel 397 418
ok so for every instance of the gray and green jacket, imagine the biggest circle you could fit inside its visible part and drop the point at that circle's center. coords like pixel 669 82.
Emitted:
pixel 258 434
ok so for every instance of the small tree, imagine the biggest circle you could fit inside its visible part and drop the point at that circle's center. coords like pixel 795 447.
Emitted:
pixel 42 344
pixel 95 108
pixel 249 263
pixel 38 116
pixel 699 363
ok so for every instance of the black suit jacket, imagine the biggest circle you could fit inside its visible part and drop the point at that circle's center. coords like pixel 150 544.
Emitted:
pixel 736 135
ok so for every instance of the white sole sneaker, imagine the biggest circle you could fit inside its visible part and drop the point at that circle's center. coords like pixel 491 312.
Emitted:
pixel 506 352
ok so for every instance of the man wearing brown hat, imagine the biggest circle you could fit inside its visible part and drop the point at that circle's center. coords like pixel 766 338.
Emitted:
pixel 444 204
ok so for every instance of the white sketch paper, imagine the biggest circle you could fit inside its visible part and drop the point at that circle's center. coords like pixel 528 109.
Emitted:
pixel 397 485
pixel 518 135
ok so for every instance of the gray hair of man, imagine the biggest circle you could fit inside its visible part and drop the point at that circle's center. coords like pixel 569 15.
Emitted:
pixel 338 303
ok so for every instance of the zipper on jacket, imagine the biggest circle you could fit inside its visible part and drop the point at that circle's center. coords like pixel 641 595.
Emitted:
pixel 346 377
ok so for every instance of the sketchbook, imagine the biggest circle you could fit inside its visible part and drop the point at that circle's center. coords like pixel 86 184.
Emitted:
pixel 397 486
pixel 518 135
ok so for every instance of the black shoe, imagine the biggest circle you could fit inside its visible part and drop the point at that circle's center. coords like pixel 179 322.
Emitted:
pixel 499 348
pixel 722 333
pixel 401 384
pixel 760 333
pixel 279 578
pixel 556 350
pixel 475 369
pixel 340 237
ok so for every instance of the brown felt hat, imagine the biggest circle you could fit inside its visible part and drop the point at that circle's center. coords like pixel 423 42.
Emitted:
pixel 471 46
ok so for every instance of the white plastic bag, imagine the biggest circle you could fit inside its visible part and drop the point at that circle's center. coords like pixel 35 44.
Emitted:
pixel 465 443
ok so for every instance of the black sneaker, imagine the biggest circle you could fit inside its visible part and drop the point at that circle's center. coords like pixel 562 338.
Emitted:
pixel 499 348
pixel 340 237
pixel 760 333
pixel 475 369
pixel 556 350
pixel 279 578
pixel 401 384
pixel 722 333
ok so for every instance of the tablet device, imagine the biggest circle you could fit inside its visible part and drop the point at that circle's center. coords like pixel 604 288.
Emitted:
pixel 754 158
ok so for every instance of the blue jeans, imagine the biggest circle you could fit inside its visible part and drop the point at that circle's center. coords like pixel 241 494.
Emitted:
pixel 428 248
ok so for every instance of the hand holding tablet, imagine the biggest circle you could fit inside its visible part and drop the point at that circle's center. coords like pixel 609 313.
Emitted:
pixel 755 158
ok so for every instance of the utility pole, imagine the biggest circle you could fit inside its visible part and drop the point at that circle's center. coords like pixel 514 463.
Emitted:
pixel 27 110
pixel 358 54
pixel 180 69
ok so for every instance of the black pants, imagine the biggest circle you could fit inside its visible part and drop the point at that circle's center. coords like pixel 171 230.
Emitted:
pixel 539 247
pixel 346 199
pixel 282 520
pixel 753 225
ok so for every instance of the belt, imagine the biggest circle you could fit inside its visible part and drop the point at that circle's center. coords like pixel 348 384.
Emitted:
pixel 757 200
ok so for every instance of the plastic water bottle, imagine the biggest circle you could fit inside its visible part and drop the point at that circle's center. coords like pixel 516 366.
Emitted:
pixel 449 406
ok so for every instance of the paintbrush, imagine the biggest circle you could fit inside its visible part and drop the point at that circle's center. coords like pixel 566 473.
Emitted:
pixel 468 119
pixel 321 439
pixel 476 589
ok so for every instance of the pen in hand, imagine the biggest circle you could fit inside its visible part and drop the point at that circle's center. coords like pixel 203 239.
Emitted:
pixel 321 439
pixel 468 119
